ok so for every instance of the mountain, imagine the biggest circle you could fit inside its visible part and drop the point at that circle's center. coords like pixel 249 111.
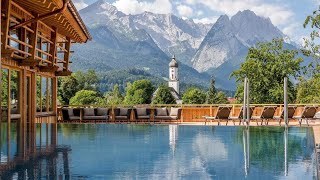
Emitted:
pixel 225 46
pixel 173 34
pixel 118 45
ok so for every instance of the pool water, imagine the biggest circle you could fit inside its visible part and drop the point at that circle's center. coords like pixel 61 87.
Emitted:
pixel 101 151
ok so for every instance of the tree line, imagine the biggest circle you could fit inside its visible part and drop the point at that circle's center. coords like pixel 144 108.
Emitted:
pixel 82 88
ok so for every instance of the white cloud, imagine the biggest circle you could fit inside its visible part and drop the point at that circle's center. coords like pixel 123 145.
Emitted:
pixel 80 4
pixel 277 13
pixel 184 10
pixel 199 13
pixel 207 20
pixel 137 7
pixel 291 29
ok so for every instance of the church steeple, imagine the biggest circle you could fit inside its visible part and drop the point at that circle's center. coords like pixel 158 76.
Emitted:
pixel 173 74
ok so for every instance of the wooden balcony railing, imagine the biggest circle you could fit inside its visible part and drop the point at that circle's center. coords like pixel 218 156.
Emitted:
pixel 36 44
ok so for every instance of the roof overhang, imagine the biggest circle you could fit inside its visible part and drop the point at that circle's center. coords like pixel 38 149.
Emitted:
pixel 68 22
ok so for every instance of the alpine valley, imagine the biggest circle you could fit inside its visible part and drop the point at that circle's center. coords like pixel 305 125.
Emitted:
pixel 145 43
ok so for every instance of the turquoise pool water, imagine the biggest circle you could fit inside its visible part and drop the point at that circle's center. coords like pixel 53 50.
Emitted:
pixel 170 152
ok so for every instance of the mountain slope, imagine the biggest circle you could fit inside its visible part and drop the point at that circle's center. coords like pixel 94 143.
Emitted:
pixel 225 46
pixel 118 45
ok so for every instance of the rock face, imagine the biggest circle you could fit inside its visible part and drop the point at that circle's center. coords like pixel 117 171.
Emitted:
pixel 119 43
pixel 147 41
pixel 172 34
pixel 230 38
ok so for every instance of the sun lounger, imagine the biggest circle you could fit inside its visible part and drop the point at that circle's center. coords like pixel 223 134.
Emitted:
pixel 307 114
pixel 142 114
pixel 279 117
pixel 239 116
pixel 266 114
pixel 223 112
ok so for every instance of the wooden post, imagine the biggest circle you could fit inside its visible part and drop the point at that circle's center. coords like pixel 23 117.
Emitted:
pixel 54 94
pixel 53 48
pixel 33 40
pixel 67 54
pixel 6 22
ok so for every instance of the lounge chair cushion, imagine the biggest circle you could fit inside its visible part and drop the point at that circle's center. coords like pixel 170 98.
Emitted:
pixel 123 111
pixel 141 112
pixel 143 117
pixel 102 111
pixel 74 117
pixel 162 112
pixel 94 118
pixel 174 111
pixel 88 112
pixel 163 117
pixel 70 112
pixel 174 117
pixel 122 117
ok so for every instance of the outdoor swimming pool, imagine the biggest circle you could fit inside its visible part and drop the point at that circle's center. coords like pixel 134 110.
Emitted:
pixel 101 151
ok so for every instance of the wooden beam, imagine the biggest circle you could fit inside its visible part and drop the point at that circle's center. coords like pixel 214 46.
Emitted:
pixel 6 22
pixel 54 94
pixel 49 68
pixel 63 73
pixel 44 16
pixel 67 54
pixel 53 47
pixel 31 61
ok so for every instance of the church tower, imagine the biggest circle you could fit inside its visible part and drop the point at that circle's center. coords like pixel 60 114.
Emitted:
pixel 173 75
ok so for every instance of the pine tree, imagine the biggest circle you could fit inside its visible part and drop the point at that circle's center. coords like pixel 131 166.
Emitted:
pixel 212 93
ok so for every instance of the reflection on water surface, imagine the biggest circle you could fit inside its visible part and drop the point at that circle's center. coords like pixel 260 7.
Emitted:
pixel 69 151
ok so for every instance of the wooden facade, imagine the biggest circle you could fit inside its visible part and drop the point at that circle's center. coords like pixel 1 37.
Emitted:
pixel 36 39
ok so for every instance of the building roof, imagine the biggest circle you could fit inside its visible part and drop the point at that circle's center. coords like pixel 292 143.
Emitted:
pixel 173 62
pixel 68 23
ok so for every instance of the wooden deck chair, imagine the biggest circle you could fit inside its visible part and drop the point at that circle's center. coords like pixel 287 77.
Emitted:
pixel 223 112
pixel 266 114
pixel 280 117
pixel 239 116
pixel 307 114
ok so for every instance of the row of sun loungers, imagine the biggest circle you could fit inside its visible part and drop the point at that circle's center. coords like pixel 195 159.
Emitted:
pixel 121 114
pixel 267 113
pixel 223 113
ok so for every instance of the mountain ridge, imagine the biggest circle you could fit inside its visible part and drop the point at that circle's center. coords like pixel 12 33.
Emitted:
pixel 146 41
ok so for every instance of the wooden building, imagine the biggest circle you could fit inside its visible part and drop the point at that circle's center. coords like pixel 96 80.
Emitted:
pixel 36 36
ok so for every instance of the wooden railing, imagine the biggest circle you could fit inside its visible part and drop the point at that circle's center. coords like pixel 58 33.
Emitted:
pixel 36 44
pixel 195 112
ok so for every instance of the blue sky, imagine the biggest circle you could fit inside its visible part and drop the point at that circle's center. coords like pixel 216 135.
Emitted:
pixel 287 15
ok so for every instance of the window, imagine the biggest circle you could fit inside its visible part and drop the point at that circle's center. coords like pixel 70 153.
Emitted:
pixel 14 92
pixel 44 94
pixel 4 94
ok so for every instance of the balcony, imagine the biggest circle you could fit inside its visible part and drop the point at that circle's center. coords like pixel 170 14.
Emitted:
pixel 37 45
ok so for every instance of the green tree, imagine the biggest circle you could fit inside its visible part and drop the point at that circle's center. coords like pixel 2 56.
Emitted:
pixel 139 92
pixel 311 47
pixel 266 65
pixel 84 97
pixel 67 89
pixel 221 98
pixel 164 96
pixel 87 80
pixel 194 96
pixel 308 90
pixel 114 97
pixel 212 93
